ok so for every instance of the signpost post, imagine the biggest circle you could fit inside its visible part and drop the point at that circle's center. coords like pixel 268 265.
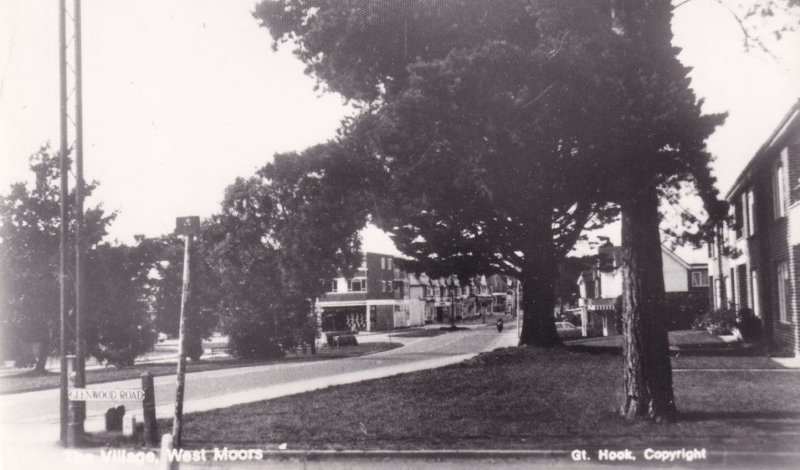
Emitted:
pixel 188 227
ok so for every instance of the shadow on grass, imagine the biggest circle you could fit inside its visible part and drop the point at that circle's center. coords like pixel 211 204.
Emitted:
pixel 698 416
pixel 741 350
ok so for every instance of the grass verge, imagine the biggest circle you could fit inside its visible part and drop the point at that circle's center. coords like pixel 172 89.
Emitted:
pixel 419 334
pixel 515 398
pixel 29 381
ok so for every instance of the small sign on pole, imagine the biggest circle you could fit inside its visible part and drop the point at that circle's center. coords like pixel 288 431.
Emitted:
pixel 93 394
pixel 189 226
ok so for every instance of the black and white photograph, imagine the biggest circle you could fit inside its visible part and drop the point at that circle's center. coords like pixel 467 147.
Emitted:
pixel 399 234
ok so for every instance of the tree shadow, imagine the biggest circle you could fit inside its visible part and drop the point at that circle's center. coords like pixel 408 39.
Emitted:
pixel 697 416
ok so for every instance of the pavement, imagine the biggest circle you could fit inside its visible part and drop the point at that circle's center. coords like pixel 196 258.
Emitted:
pixel 30 420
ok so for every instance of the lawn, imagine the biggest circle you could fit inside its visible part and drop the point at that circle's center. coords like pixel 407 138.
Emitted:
pixel 516 398
pixel 29 381
pixel 685 342
pixel 427 333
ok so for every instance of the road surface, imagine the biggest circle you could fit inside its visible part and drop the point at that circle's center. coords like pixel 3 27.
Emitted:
pixel 30 420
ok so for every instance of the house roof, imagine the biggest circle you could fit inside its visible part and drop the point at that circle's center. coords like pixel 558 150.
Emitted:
pixel 615 253
pixel 790 123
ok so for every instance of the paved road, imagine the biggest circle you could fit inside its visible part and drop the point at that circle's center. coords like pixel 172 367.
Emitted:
pixel 29 420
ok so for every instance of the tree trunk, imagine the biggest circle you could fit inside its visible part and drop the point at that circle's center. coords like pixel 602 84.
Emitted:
pixel 538 296
pixel 647 371
pixel 41 357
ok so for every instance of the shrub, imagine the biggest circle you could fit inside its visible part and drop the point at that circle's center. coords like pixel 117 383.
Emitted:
pixel 683 308
pixel 253 345
pixel 194 347
pixel 331 336
pixel 718 322
pixel 749 326
pixel 346 340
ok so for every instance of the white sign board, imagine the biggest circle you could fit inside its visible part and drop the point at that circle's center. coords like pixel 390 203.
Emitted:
pixel 93 394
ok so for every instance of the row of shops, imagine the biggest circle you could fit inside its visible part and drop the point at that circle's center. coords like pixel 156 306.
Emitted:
pixel 382 297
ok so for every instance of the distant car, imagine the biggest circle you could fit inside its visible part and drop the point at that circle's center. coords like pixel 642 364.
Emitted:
pixel 566 329
pixel 162 337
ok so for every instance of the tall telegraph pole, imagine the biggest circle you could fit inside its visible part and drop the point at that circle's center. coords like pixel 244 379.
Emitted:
pixel 80 368
pixel 64 168
pixel 66 20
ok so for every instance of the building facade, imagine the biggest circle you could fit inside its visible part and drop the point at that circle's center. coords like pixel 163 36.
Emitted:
pixel 374 299
pixel 380 296
pixel 755 260
pixel 601 286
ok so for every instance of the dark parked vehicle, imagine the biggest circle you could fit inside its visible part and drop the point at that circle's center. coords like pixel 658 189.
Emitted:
pixel 566 329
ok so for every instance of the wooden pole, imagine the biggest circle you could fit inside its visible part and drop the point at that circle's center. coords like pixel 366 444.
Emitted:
pixel 149 410
pixel 80 342
pixel 75 426
pixel 177 421
pixel 62 232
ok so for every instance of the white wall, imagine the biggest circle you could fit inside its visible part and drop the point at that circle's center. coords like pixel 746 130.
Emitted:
pixel 676 277
pixel 611 284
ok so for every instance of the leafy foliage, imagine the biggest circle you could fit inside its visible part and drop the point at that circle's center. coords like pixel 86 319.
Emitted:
pixel 29 263
pixel 118 327
pixel 471 130
pixel 720 321
pixel 164 257
pixel 279 237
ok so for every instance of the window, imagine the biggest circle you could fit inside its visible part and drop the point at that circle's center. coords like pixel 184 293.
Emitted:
pixel 783 291
pixel 778 199
pixel 738 219
pixel 699 279
pixel 710 250
pixel 389 264
pixel 358 285
pixel 751 214
pixel 741 280
pixel 714 298
pixel 383 262
pixel 332 286
pixel 756 298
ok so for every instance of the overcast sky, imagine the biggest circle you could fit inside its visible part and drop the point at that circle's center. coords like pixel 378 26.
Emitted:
pixel 183 96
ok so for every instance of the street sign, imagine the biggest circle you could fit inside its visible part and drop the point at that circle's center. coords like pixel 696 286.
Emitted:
pixel 189 226
pixel 94 394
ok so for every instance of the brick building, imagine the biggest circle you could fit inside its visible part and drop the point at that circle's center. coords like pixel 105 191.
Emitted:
pixel 760 258
pixel 380 296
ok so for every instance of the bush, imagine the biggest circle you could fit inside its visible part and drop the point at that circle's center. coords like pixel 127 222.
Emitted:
pixel 749 326
pixel 194 347
pixel 339 338
pixel 346 340
pixel 330 337
pixel 683 308
pixel 718 322
pixel 253 345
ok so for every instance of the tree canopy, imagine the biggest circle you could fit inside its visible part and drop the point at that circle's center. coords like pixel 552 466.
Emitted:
pixel 29 262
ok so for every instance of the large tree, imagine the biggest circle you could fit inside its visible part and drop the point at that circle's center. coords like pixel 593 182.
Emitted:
pixel 29 247
pixel 279 238
pixel 479 116
pixel 164 257
pixel 119 326
pixel 657 144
